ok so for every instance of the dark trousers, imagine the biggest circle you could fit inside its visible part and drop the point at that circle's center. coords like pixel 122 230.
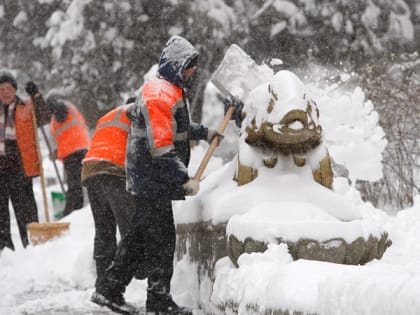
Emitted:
pixel 111 206
pixel 17 187
pixel 149 242
pixel 74 193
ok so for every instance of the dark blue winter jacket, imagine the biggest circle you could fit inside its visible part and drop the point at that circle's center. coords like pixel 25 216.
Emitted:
pixel 158 149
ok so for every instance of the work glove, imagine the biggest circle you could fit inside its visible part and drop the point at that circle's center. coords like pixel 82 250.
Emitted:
pixel 191 187
pixel 43 115
pixel 212 133
pixel 237 113
pixel 31 88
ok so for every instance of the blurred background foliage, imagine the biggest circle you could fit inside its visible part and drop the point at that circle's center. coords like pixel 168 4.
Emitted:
pixel 97 52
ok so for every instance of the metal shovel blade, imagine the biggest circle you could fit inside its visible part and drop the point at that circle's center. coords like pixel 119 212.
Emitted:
pixel 238 74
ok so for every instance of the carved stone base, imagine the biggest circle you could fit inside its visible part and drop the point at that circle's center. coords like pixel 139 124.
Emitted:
pixel 335 250
pixel 206 243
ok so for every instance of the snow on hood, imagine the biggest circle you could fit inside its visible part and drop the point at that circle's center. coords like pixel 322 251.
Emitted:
pixel 176 55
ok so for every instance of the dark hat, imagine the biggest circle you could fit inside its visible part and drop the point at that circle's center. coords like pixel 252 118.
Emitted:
pixel 54 95
pixel 55 101
pixel 6 76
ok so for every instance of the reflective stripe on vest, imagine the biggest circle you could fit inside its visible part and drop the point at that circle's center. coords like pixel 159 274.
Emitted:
pixel 161 151
pixel 116 122
pixel 71 135
pixel 109 141
pixel 74 122
pixel 141 133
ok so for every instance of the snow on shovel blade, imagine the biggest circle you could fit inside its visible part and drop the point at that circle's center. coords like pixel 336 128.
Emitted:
pixel 238 74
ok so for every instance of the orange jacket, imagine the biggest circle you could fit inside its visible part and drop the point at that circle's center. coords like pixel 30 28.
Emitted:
pixel 109 142
pixel 25 138
pixel 71 135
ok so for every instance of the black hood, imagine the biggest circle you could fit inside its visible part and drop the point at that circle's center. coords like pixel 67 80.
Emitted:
pixel 57 105
pixel 175 57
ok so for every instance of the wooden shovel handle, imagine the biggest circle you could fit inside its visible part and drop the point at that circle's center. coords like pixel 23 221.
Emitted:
pixel 53 161
pixel 39 102
pixel 214 144
pixel 41 168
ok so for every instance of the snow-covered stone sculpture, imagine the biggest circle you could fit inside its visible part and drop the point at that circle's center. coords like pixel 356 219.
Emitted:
pixel 281 120
pixel 279 189
pixel 281 126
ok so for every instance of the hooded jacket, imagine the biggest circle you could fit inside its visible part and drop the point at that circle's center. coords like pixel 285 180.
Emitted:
pixel 158 149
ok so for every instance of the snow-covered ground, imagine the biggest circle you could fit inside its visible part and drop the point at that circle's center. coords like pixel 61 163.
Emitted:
pixel 58 277
pixel 272 280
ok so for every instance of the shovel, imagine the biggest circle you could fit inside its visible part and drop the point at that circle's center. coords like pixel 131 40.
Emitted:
pixel 237 75
pixel 58 197
pixel 57 173
pixel 42 232
pixel 214 143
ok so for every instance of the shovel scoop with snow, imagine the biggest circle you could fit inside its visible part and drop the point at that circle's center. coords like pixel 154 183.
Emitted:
pixel 236 76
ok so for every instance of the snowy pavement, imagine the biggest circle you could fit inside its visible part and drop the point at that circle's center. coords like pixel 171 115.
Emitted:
pixel 39 303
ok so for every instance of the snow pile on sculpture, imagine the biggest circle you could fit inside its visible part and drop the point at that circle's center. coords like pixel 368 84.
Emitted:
pixel 281 120
pixel 281 137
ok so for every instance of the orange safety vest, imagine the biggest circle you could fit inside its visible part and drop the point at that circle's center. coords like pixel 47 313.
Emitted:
pixel 71 135
pixel 25 138
pixel 161 99
pixel 109 142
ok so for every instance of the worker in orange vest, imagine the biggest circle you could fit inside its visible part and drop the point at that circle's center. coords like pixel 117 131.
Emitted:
pixel 103 175
pixel 157 158
pixel 71 140
pixel 19 161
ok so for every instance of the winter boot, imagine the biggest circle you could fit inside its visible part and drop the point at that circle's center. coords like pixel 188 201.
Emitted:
pixel 162 304
pixel 112 297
